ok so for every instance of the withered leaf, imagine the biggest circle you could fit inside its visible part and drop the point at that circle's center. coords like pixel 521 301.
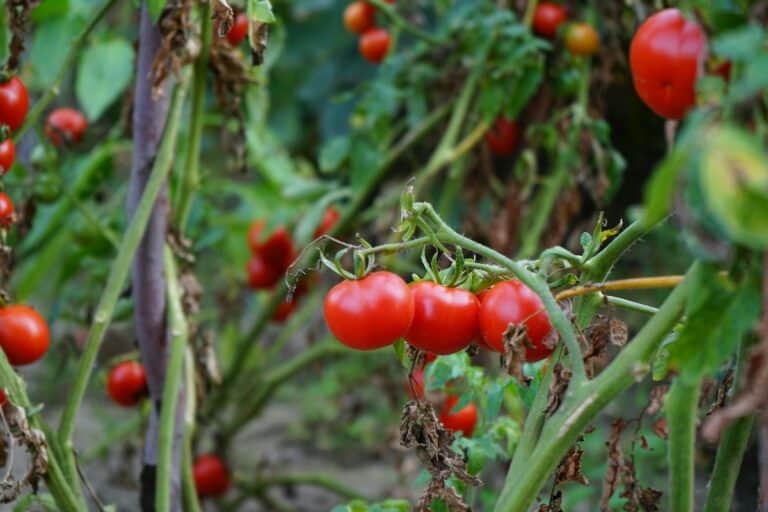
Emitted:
pixel 649 499
pixel 569 469
pixel 657 399
pixel 660 428
pixel 223 17
pixel 615 462
pixel 175 51
pixel 259 33
pixel 561 377
pixel 513 358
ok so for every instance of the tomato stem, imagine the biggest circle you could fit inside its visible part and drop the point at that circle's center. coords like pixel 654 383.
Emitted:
pixel 681 407
pixel 636 283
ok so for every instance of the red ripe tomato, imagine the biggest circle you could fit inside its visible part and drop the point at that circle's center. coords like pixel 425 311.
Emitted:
pixel 547 18
pixel 260 273
pixel 6 210
pixel 211 475
pixel 24 334
pixel 65 126
pixel 330 217
pixel 511 302
pixel 371 312
pixel 374 44
pixel 127 383
pixel 277 250
pixel 359 16
pixel 14 103
pixel 666 57
pixel 239 29
pixel 444 319
pixel 7 155
pixel 582 39
pixel 463 420
pixel 502 137
pixel 284 310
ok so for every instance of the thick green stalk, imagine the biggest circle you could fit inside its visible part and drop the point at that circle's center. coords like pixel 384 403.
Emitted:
pixel 581 407
pixel 189 492
pixel 67 65
pixel 730 454
pixel 173 375
pixel 189 177
pixel 598 267
pixel 680 407
pixel 119 273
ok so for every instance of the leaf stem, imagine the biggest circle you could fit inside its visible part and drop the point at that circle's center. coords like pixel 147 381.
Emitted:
pixel 635 283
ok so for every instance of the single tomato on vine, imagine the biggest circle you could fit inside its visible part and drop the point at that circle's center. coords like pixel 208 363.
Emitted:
pixel 277 249
pixel 127 383
pixel 512 303
pixel 211 475
pixel 65 126
pixel 7 216
pixel 666 57
pixel 239 29
pixel 359 16
pixel 502 136
pixel 7 156
pixel 14 103
pixel 445 320
pixel 547 18
pixel 369 313
pixel 260 273
pixel 374 44
pixel 463 420
pixel 284 310
pixel 582 39
pixel 24 334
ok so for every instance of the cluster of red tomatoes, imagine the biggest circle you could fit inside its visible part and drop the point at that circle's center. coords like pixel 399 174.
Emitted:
pixel 360 18
pixel 381 308
pixel 580 38
pixel 272 255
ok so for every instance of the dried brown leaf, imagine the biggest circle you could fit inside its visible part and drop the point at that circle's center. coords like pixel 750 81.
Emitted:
pixel 259 33
pixel 513 358
pixel 615 463
pixel 223 17
pixel 176 47
pixel 561 377
pixel 569 469
pixel 661 428
pixel 657 399
pixel 18 15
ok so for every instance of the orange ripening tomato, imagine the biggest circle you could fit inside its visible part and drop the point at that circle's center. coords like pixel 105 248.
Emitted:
pixel 374 44
pixel 582 39
pixel 359 16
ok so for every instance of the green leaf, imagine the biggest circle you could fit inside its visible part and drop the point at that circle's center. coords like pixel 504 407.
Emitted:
pixel 333 153
pixel 261 11
pixel 401 353
pixel 105 70
pixel 51 41
pixel 48 9
pixel 156 8
pixel 740 44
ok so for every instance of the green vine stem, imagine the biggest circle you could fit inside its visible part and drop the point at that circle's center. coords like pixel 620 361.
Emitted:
pixel 730 453
pixel 584 404
pixel 189 492
pixel 530 10
pixel 66 67
pixel 630 305
pixel 119 273
pixel 681 407
pixel 189 177
pixel 171 388
pixel 348 219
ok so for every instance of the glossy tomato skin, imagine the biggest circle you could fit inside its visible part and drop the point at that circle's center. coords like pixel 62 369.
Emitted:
pixel 65 126
pixel 239 29
pixel 330 218
pixel 445 320
pixel 6 210
pixel 582 39
pixel 127 383
pixel 371 312
pixel 511 302
pixel 7 156
pixel 277 249
pixel 463 420
pixel 211 475
pixel 547 18
pixel 260 273
pixel 666 57
pixel 24 334
pixel 374 44
pixel 14 103
pixel 502 137
pixel 359 16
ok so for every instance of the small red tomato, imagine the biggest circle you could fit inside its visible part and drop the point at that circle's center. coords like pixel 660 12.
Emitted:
pixel 24 334
pixel 127 383
pixel 502 137
pixel 14 103
pixel 284 310
pixel 261 274
pixel 582 39
pixel 513 303
pixel 374 44
pixel 463 420
pixel 666 57
pixel 330 217
pixel 276 250
pixel 7 156
pixel 3 398
pixel 211 475
pixel 369 313
pixel 239 29
pixel 444 319
pixel 65 126
pixel 547 18
pixel 359 16
pixel 6 210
